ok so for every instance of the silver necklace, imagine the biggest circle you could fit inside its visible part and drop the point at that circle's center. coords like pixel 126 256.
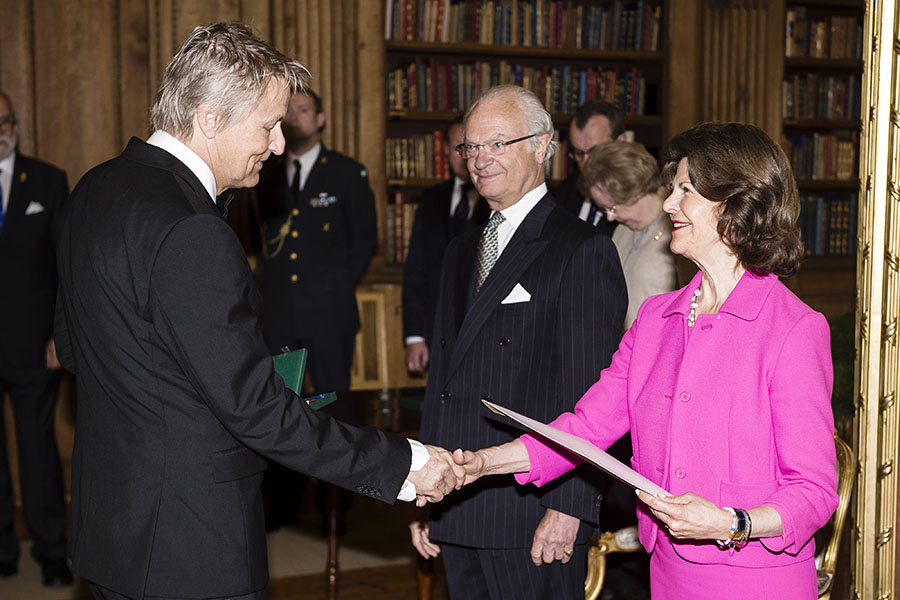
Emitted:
pixel 692 315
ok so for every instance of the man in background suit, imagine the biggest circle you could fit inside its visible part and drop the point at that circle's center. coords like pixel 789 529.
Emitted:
pixel 595 122
pixel 32 193
pixel 530 331
pixel 444 212
pixel 158 316
pixel 317 215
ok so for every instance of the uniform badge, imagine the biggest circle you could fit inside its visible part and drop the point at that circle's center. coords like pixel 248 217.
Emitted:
pixel 322 200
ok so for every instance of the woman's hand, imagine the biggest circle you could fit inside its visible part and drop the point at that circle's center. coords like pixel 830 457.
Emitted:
pixel 689 517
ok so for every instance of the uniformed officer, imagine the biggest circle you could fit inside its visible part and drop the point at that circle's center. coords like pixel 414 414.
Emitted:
pixel 317 215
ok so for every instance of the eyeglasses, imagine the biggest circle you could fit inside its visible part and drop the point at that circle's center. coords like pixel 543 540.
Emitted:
pixel 467 150
pixel 577 153
pixel 7 121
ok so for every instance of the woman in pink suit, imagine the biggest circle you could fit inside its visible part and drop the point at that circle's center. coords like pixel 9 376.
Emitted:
pixel 725 386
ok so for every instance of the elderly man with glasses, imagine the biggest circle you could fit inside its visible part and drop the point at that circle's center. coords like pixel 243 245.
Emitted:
pixel 529 314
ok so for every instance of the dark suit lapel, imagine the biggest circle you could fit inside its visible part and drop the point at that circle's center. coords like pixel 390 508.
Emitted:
pixel 524 247
pixel 18 193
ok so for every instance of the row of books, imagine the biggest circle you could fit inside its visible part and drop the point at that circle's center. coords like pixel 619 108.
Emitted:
pixel 820 156
pixel 545 23
pixel 832 36
pixel 828 224
pixel 432 85
pixel 399 217
pixel 421 156
pixel 814 96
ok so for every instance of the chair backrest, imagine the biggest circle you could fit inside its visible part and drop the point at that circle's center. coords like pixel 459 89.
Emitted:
pixel 846 467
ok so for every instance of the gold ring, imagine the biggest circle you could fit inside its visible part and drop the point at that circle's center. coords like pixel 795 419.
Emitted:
pixel 567 552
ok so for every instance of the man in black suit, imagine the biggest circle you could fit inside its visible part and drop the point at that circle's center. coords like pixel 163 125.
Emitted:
pixel 32 193
pixel 595 122
pixel 158 316
pixel 529 313
pixel 444 212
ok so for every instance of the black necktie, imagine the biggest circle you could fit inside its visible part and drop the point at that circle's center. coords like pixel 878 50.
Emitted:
pixel 461 212
pixel 295 182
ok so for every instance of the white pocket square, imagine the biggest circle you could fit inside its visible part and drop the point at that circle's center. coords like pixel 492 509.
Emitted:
pixel 518 294
pixel 34 208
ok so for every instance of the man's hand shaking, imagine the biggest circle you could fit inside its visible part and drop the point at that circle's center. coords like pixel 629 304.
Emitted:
pixel 438 477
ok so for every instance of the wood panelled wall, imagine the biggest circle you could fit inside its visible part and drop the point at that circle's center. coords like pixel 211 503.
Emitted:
pixel 82 74
pixel 742 71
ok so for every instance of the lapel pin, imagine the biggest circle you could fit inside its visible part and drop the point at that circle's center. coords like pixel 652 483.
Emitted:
pixel 23 176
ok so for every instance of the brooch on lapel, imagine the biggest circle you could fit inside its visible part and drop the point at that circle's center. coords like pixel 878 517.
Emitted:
pixel 323 199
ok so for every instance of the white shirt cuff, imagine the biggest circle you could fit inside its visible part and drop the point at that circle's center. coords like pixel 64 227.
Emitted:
pixel 418 460
pixel 414 339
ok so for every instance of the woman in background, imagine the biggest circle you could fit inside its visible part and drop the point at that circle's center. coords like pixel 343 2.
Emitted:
pixel 624 182
pixel 725 386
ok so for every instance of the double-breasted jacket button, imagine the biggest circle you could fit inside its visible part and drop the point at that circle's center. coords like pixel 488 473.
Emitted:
pixel 684 397
pixel 504 341
pixel 707 327
pixel 680 473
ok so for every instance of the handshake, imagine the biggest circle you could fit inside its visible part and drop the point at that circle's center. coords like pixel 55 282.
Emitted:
pixel 445 472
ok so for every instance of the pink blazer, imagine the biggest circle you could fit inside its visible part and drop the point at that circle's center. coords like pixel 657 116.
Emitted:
pixel 737 411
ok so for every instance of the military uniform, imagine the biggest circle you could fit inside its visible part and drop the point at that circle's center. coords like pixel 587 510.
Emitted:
pixel 317 245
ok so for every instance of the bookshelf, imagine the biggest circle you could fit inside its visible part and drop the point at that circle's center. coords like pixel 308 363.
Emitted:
pixel 440 55
pixel 820 128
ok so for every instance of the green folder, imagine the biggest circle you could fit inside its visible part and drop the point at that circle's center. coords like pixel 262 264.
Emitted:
pixel 291 364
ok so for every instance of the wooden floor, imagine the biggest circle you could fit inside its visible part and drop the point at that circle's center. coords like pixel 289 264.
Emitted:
pixel 384 583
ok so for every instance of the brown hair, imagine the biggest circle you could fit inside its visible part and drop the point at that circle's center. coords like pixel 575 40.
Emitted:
pixel 741 168
pixel 626 171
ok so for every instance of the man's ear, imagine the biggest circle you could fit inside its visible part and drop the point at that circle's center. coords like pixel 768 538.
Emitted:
pixel 320 121
pixel 543 143
pixel 209 122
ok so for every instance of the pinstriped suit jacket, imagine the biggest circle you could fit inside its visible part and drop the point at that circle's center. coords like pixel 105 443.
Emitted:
pixel 536 357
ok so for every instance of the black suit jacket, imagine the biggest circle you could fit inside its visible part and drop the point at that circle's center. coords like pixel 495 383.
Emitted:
pixel 178 401
pixel 336 237
pixel 427 243
pixel 28 261
pixel 536 357
pixel 571 200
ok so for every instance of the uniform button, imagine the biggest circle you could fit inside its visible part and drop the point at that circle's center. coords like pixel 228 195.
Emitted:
pixel 680 473
pixel 294 233
pixel 295 212
pixel 504 341
pixel 707 327
pixel 294 277
pixel 684 397
pixel 293 256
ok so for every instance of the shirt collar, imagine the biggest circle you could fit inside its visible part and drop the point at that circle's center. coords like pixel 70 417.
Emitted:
pixel 307 159
pixel 166 141
pixel 8 163
pixel 516 213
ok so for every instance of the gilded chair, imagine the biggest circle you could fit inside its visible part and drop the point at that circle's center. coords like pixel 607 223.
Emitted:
pixel 826 558
pixel 626 540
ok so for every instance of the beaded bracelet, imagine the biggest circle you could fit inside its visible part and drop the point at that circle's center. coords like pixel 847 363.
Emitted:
pixel 728 543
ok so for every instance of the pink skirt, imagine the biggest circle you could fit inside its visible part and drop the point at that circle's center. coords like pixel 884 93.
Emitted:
pixel 673 578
